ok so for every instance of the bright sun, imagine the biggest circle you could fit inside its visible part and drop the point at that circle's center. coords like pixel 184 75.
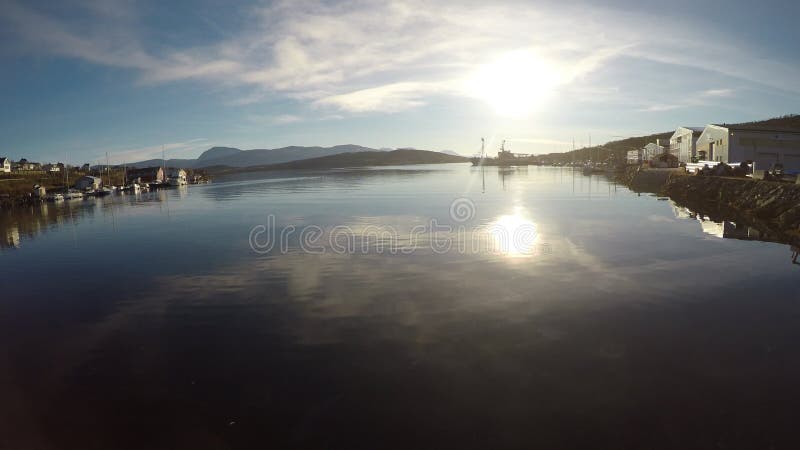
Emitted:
pixel 514 84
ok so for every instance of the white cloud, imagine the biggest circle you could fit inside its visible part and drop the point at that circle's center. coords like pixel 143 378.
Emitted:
pixel 387 98
pixel 357 55
pixel 718 93
pixel 695 99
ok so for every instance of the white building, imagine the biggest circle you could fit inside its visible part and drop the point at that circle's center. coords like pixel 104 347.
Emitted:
pixel 5 165
pixel 765 147
pixel 683 143
pixel 654 149
pixel 634 157
pixel 88 182
pixel 176 176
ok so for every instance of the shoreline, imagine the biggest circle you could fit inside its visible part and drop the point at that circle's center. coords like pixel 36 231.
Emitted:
pixel 769 206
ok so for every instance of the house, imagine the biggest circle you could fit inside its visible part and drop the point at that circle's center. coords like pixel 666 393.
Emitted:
pixel 25 165
pixel 634 156
pixel 86 168
pixel 146 175
pixel 176 176
pixel 654 149
pixel 88 182
pixel 52 168
pixel 5 165
pixel 765 147
pixel 683 143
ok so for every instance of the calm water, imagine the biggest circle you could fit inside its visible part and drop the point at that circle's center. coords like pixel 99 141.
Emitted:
pixel 616 320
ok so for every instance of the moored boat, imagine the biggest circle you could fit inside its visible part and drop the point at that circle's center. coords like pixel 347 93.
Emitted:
pixel 504 158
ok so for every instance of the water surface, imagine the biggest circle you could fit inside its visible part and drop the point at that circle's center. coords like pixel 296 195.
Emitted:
pixel 617 320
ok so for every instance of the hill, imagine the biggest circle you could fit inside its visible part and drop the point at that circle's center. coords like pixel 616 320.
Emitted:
pixel 787 122
pixel 234 157
pixel 619 149
pixel 616 149
pixel 218 152
pixel 358 159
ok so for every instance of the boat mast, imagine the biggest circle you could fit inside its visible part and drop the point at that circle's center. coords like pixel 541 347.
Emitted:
pixel 163 162
pixel 108 170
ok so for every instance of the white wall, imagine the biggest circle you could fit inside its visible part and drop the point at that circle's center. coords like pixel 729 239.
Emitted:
pixel 765 148
pixel 683 141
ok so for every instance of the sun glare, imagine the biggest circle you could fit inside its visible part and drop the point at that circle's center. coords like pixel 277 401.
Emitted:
pixel 513 235
pixel 515 84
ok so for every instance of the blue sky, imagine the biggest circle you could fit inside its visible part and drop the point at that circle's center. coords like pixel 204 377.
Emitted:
pixel 85 77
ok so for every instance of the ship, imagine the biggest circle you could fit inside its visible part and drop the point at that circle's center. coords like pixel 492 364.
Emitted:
pixel 504 157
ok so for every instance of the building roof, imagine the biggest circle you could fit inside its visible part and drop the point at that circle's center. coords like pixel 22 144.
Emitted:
pixel 757 128
pixel 696 131
pixel 3 160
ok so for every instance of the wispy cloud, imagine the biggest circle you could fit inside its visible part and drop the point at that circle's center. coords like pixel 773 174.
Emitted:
pixel 388 98
pixel 718 93
pixel 357 56
pixel 692 99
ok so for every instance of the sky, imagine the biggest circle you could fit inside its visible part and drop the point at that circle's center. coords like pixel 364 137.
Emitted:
pixel 79 78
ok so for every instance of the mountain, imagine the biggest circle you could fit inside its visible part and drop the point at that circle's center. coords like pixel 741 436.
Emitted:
pixel 234 157
pixel 182 163
pixel 356 159
pixel 218 152
pixel 450 152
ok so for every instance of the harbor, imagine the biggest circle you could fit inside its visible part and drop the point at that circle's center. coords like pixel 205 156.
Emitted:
pixel 178 298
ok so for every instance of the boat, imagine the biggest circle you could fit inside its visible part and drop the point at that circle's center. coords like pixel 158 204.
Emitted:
pixel 504 158
pixel 591 168
pixel 133 188
pixel 102 192
pixel 55 197
pixel 73 195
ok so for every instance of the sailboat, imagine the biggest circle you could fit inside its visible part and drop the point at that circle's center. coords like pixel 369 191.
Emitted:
pixel 478 159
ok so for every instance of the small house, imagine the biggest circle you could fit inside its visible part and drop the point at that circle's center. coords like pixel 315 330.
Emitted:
pixel 176 176
pixel 634 157
pixel 653 150
pixel 683 143
pixel 146 175
pixel 88 182
pixel 5 165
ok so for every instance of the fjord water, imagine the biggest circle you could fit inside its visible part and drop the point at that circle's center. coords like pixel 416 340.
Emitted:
pixel 153 321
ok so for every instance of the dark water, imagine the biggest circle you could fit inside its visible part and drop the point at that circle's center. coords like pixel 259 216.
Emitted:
pixel 615 320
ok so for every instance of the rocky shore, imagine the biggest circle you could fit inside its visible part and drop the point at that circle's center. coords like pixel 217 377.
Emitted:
pixel 772 204
pixel 647 180
pixel 767 205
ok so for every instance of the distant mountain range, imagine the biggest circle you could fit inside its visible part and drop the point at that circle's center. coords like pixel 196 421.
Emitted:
pixel 353 159
pixel 236 158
